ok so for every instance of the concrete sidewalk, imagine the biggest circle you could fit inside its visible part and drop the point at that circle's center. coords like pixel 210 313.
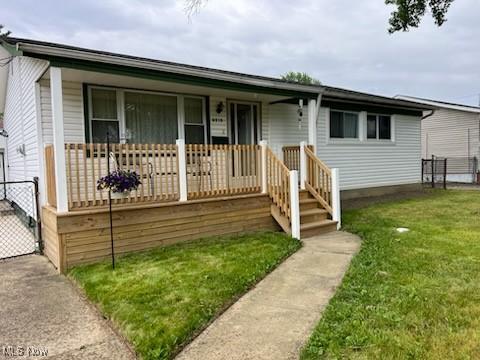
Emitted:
pixel 42 309
pixel 276 318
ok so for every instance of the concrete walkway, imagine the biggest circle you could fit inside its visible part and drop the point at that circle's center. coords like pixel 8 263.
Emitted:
pixel 40 308
pixel 276 318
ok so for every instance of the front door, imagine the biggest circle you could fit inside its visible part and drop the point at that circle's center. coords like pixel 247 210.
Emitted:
pixel 243 123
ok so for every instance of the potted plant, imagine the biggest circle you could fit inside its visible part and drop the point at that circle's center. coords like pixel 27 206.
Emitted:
pixel 119 182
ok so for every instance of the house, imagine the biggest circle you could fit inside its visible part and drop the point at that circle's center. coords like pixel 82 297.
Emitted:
pixel 451 131
pixel 208 145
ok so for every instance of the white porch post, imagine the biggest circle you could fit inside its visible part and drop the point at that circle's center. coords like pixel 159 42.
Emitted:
pixel 294 204
pixel 182 169
pixel 312 123
pixel 336 205
pixel 303 165
pixel 58 139
pixel 263 149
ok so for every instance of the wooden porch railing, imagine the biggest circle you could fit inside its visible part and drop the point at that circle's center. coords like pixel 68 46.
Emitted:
pixel 291 156
pixel 50 176
pixel 278 183
pixel 219 170
pixel 211 171
pixel 156 165
pixel 319 180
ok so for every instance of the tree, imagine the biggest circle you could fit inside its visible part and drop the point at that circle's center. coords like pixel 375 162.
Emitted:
pixel 300 77
pixel 409 13
pixel 3 34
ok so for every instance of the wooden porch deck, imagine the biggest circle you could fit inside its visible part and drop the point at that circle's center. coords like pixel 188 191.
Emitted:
pixel 227 189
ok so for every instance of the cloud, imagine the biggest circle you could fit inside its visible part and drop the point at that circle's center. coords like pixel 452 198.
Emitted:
pixel 343 42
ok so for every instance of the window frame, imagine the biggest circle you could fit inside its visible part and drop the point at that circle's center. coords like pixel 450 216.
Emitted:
pixel 120 98
pixel 90 110
pixel 204 116
pixel 377 128
pixel 343 139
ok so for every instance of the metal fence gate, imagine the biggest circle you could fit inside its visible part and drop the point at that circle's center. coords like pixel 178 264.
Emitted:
pixel 20 228
pixel 434 172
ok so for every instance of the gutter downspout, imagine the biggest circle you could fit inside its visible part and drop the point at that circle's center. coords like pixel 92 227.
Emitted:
pixel 427 116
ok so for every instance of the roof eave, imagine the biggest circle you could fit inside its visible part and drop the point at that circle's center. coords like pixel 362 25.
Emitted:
pixel 151 65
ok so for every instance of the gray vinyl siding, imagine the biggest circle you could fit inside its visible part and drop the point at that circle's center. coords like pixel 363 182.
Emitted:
pixel 361 164
pixel 451 133
pixel 370 164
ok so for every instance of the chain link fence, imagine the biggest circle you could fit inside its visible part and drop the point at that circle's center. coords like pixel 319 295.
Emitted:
pixel 20 231
pixel 434 172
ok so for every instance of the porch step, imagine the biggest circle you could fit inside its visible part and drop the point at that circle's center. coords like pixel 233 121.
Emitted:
pixel 308 204
pixel 304 194
pixel 313 215
pixel 317 228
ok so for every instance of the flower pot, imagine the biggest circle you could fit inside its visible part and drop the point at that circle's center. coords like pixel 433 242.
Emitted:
pixel 120 195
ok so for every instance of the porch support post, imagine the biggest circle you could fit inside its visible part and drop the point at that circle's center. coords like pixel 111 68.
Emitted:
pixel 58 139
pixel 312 123
pixel 182 169
pixel 294 205
pixel 303 165
pixel 263 149
pixel 336 204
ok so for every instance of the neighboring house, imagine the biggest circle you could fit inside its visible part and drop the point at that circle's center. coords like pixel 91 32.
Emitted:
pixel 452 131
pixel 62 100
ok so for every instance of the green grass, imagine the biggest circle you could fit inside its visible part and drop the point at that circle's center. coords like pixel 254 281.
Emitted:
pixel 161 298
pixel 414 295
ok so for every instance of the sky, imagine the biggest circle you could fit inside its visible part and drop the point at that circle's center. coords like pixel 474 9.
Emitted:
pixel 342 43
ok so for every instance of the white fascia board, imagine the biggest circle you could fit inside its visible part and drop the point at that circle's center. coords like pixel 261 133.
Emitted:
pixel 439 104
pixel 172 68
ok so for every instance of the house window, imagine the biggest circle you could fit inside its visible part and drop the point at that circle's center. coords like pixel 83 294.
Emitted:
pixel 379 127
pixel 194 120
pixel 150 118
pixel 104 115
pixel 145 117
pixel 343 125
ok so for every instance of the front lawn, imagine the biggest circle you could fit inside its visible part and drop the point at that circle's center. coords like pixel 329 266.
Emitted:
pixel 161 298
pixel 414 295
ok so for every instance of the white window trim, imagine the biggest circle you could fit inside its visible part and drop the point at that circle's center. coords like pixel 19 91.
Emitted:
pixel 362 131
pixel 120 92
pixel 90 111
pixel 204 116
pixel 377 139
pixel 333 140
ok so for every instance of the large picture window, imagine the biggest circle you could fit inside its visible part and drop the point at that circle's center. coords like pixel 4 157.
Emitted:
pixel 343 125
pixel 144 117
pixel 150 118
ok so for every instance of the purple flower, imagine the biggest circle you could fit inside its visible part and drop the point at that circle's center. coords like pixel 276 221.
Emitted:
pixel 119 181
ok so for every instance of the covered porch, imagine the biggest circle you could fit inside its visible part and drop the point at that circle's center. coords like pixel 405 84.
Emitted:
pixel 146 115
pixel 205 152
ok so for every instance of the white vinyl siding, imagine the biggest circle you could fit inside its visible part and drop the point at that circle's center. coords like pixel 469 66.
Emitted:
pixel 280 126
pixel 21 118
pixel 21 123
pixel 361 164
pixel 72 112
pixel 451 133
